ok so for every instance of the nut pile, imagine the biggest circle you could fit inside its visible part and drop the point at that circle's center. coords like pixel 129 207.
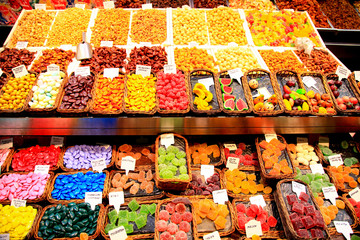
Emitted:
pixel 10 58
pixel 282 60
pixel 156 57
pixel 209 3
pixel 236 57
pixel 129 3
pixel 169 3
pixel 188 59
pixel 252 4
pixel 319 60
pixel 53 56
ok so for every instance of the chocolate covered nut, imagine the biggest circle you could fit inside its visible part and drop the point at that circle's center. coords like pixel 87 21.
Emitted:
pixel 53 56
pixel 319 60
pixel 209 3
pixel 169 3
pixel 10 58
pixel 129 3
pixel 156 57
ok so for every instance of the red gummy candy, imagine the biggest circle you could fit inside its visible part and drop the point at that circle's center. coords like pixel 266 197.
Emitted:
pixel 180 207
pixel 227 152
pixel 172 228
pixel 265 227
pixel 176 218
pixel 297 223
pixel 319 222
pixel 298 207
pixel 261 218
pixel 303 233
pixel 187 216
pixel 352 201
pixel 291 199
pixel 272 221
pixel 164 215
pixel 165 236
pixel 252 212
pixel 238 151
pixel 242 221
pixel 309 210
pixel 304 197
pixel 308 222
pixel 242 146
pixel 241 208
pixel 181 235
pixel 255 208
pixel 161 225
pixel 357 211
pixel 317 233
pixel 184 226
pixel 170 207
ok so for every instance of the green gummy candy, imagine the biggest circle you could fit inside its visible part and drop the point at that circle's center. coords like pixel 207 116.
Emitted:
pixel 175 162
pixel 134 205
pixel 182 162
pixel 132 216
pixel 305 179
pixel 123 214
pixel 310 176
pixel 175 149
pixel 172 168
pixel 128 228
pixel 348 162
pixel 170 156
pixel 183 170
pixel 113 216
pixel 140 222
pixel 316 195
pixel 167 174
pixel 152 208
pixel 344 144
pixel 162 151
pixel 162 166
pixel 301 91
pixel 122 222
pixel 184 176
pixel 180 154
pixel 170 149
pixel 144 209
pixel 327 151
pixel 298 171
pixel 161 159
pixel 109 227
pixel 354 160
pixel 355 237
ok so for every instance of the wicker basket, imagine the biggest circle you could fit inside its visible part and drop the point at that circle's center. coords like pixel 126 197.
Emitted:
pixel 6 78
pixel 284 214
pixel 6 164
pixel 188 203
pixel 103 112
pixel 321 194
pixel 216 93
pixel 39 199
pixel 287 156
pixel 321 155
pixel 279 84
pixel 142 197
pixel 345 198
pixel 243 92
pixel 65 169
pixel 172 184
pixel 355 85
pixel 176 112
pixel 336 183
pixel 213 161
pixel 135 236
pixel 144 163
pixel 259 73
pixel 94 236
pixel 55 201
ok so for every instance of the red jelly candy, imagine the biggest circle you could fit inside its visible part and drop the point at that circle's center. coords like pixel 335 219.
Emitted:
pixel 293 216
pixel 265 227
pixel 187 216
pixel 241 208
pixel 319 222
pixel 170 207
pixel 165 236
pixel 172 228
pixel 304 197
pixel 297 223
pixel 317 233
pixel 184 226
pixel 255 209
pixel 308 222
pixel 238 151
pixel 176 218
pixel 352 201
pixel 242 221
pixel 261 218
pixel 318 213
pixel 272 221
pixel 180 207
pixel 309 210
pixel 252 212
pixel 357 211
pixel 164 215
pixel 242 146
pixel 298 207
pixel 291 199
pixel 303 233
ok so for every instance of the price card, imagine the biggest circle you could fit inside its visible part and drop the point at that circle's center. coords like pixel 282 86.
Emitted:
pixel 82 71
pixel 80 5
pixel 146 6
pixel 167 139
pixel 324 141
pixel 116 199
pixel 357 75
pixel 336 160
pixel 118 233
pixel 145 44
pixel 352 134
pixel 342 72
pixel 330 193
pixel 344 228
pixel 270 136
pixel 53 68
pixel 106 43
pixel 170 68
pixel 42 169
pixel 230 146
pixel 18 203
pixel 66 47
pixel 57 141
pixel 1 72
pixel 93 198
pixel 310 82
pixel 212 236
pixel 207 82
pixel 298 188
pixel 236 74
pixel 6 143
pixel 232 163
pixel 20 71
pixel 145 71
pixel 355 194
pixel 111 72
pixel 317 168
pixel 109 5
pixel 98 164
pixel 264 92
pixel 207 171
pixel 40 6
pixel 5 236
pixel 302 141
pixel 258 200
pixel 232 44
pixel 193 44
pixel 220 196
pixel 252 228
pixel 128 164
pixel 21 45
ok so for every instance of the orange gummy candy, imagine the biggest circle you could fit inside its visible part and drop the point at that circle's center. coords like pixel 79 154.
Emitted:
pixel 340 204
pixel 267 190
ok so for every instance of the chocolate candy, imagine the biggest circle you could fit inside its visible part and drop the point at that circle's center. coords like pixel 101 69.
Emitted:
pixel 10 58
pixel 156 57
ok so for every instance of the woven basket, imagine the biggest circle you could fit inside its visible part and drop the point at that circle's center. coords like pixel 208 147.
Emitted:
pixel 55 201
pixel 102 112
pixel 216 93
pixel 65 169
pixel 94 236
pixel 287 156
pixel 345 197
pixel 146 164
pixel 188 203
pixel 258 73
pixel 175 112
pixel 31 233
pixel 172 184
pixel 336 183
pixel 6 77
pixel 354 84
pixel 320 155
pixel 284 214
pixel 349 87
pixel 135 236
pixel 39 199
pixel 243 91
pixel 6 164
pixel 213 161
pixel 144 197
pixel 326 89
pixel 279 84
pixel 321 194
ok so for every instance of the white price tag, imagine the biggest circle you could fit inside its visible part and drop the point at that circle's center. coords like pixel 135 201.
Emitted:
pixel 230 146
pixel 106 43
pixel 111 72
pixel 82 71
pixel 252 228
pixel 207 82
pixel 116 199
pixel 66 47
pixel 5 236
pixel 232 44
pixel 336 160
pixel 1 72
pixel 93 198
pixel 324 141
pixel 236 74
pixel 146 6
pixel 18 203
pixel 170 68
pixel 355 194
pixel 193 44
pixel 53 68
pixel 40 6
pixel 118 233
pixel 6 143
pixel 128 164
pixel 145 44
pixel 344 228
pixel 21 45
pixel 142 70
pixel 298 188
pixel 317 168
pixel 80 5
pixel 302 141
pixel 57 141
pixel 258 200
pixel 264 92
pixel 309 81
pixel 357 75
pixel 20 71
pixel 109 4
pixel 220 196
pixel 42 169
pixel 232 163
pixel 331 194
pixel 98 164
pixel 167 139
pixel 342 72
pixel 207 171
pixel 271 136
pixel 212 236
pixel 352 134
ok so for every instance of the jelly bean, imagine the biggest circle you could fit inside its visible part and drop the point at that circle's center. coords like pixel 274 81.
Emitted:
pixel 80 156
pixel 22 186
pixel 188 59
pixel 3 155
pixel 26 159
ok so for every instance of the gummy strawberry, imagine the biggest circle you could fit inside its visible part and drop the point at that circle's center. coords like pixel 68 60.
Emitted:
pixel 165 236
pixel 240 207
pixel 181 235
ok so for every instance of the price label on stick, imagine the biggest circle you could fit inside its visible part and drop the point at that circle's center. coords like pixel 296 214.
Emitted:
pixel 344 228
pixel 106 43
pixel 116 199
pixel 80 5
pixel 118 233
pixel 5 236
pixel 6 143
pixel 331 194
pixel 53 68
pixel 40 6
pixel 20 71
pixel 258 200
pixel 302 141
pixel 265 92
pixel 128 164
pixel 18 203
pixel 298 188
pixel 355 194
pixel 270 136
pixel 146 6
pixel 21 45
pixel 232 163
pixel 111 72
pixel 93 198
pixel 43 169
pixel 98 164
pixel 220 196
pixel 170 68
pixel 109 4
pixel 142 70
pixel 207 171
pixel 82 71
pixel 207 82
pixel 336 160
pixel 317 168
pixel 230 146
pixel 342 72
pixel 57 141
pixel 252 228
pixel 236 74
pixel 212 236
pixel 310 82
pixel 167 139
pixel 357 75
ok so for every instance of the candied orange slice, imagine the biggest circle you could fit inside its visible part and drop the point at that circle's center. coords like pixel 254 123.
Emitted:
pixel 274 159
pixel 209 150
pixel 124 148
pixel 230 186
pixel 230 178
pixel 236 190
pixel 286 170
pixel 252 189
pixel 268 165
pixel 205 161
pixel 137 156
pixel 292 148
pixel 274 141
pixel 216 153
pixel 264 144
pixel 353 184
pixel 327 219
pixel 319 200
pixel 245 185
pixel 281 146
pixel 333 208
pixel 347 169
pixel 355 171
pixel 242 175
pixel 283 163
pixel 251 176
pixel 151 156
pixel 238 182
pixel 260 187
pixel 267 190
pixel 245 191
pixel 220 222
pixel 84 236
pixel 274 172
pixel 340 204
pixel 145 151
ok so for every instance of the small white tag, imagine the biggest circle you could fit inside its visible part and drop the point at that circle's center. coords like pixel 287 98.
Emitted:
pixel 53 68
pixel 355 194
pixel 309 81
pixel 357 75
pixel 220 196
pixel 1 72
pixel 66 47
pixel 342 72
pixel 20 71
pixel 207 82
pixel 42 169
pixel 82 71
pixel 93 198
pixel 170 68
pixel 111 72
pixel 40 6
pixel 118 233
pixel 109 4
pixel 317 168
pixel 57 141
pixel 106 43
pixel 6 143
pixel 128 164
pixel 352 134
pixel 142 70
pixel 145 44
pixel 271 136
pixel 18 203
pixel 167 139
pixel 98 164
pixel 80 5
pixel 302 141
pixel 258 200
pixel 146 6
pixel 230 146
pixel 21 45
pixel 5 236
pixel 336 160
pixel 264 92
pixel 324 141
pixel 252 228
pixel 116 199
pixel 207 171
pixel 193 44
pixel 330 193
pixel 236 74
pixel 232 44
pixel 344 228
pixel 212 236
pixel 232 163
pixel 298 188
